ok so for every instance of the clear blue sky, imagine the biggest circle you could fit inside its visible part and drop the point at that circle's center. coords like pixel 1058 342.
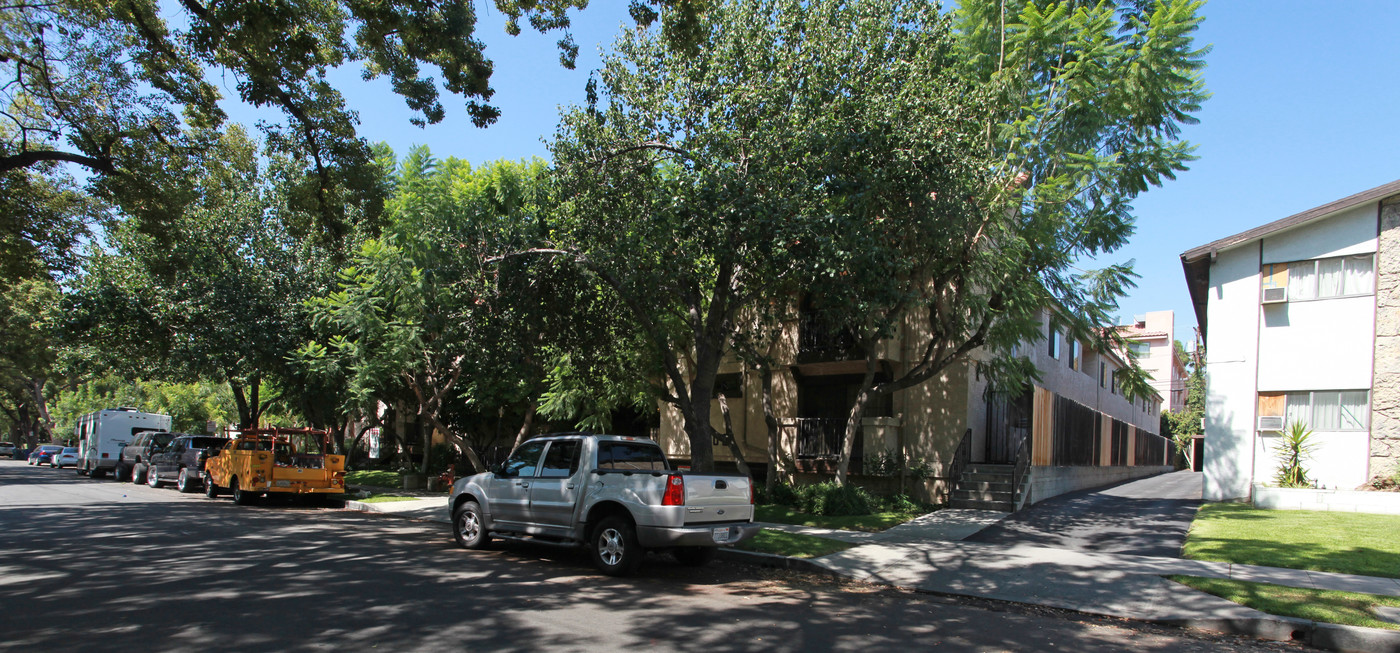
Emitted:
pixel 1303 113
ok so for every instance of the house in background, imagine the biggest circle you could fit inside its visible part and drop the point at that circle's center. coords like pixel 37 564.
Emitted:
pixel 1072 430
pixel 1301 320
pixel 1152 340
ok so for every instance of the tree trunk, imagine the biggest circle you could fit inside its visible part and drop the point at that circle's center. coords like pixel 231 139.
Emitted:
pixel 848 441
pixel 765 372
pixel 41 407
pixel 729 439
pixel 241 401
pixel 528 424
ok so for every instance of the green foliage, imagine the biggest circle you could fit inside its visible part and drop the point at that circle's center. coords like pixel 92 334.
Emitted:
pixel 219 299
pixel 113 87
pixel 1294 445
pixel 190 405
pixel 889 463
pixel 29 337
pixel 781 494
pixel 835 500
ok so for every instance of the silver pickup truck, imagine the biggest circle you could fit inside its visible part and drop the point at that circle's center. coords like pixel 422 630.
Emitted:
pixel 614 494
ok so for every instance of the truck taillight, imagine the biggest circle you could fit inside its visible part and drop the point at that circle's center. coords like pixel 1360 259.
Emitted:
pixel 675 491
pixel 751 492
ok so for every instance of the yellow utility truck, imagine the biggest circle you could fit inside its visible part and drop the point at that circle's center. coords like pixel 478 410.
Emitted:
pixel 267 461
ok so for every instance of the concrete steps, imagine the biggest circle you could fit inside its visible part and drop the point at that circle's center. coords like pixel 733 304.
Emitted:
pixel 985 486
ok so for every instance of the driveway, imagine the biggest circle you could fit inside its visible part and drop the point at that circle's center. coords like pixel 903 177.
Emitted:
pixel 1148 517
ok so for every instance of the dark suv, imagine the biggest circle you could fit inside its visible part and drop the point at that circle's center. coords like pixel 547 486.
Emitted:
pixel 182 460
pixel 136 455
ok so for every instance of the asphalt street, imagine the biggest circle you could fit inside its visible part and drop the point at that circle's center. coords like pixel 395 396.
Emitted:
pixel 97 566
pixel 1147 517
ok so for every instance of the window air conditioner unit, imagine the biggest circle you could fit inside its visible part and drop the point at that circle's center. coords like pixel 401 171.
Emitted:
pixel 1275 295
pixel 1270 422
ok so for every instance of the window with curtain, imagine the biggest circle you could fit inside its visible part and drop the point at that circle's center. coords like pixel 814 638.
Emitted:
pixel 1359 277
pixel 1340 276
pixel 1329 277
pixel 1329 410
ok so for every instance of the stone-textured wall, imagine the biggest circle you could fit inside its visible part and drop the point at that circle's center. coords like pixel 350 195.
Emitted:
pixel 1385 392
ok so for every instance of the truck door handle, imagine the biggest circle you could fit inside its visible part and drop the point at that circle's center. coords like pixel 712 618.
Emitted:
pixel 523 484
pixel 570 486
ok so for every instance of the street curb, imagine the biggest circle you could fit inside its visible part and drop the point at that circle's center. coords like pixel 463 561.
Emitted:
pixel 757 559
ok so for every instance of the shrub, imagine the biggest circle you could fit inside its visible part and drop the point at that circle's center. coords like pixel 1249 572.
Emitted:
pixel 835 500
pixel 1295 445
pixel 900 503
pixel 782 494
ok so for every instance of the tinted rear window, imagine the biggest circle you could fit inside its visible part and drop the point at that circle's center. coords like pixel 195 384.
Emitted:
pixel 631 456
pixel 207 443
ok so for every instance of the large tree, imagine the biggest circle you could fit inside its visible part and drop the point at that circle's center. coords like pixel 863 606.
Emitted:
pixel 704 189
pixel 29 310
pixel 1088 100
pixel 125 90
pixel 219 299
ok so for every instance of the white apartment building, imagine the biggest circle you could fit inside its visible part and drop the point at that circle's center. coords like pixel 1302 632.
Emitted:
pixel 1301 321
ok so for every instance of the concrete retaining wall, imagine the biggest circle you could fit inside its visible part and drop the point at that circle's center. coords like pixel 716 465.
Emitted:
pixel 1047 482
pixel 1277 498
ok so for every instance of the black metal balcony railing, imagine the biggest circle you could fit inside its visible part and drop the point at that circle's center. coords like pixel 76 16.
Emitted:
pixel 817 340
pixel 820 438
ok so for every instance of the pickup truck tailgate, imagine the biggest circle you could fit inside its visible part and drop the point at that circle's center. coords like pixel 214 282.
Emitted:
pixel 717 498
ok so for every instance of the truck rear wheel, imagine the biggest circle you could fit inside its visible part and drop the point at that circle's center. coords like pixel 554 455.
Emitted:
pixel 138 474
pixel 183 482
pixel 695 556
pixel 468 528
pixel 152 478
pixel 615 548
pixel 241 496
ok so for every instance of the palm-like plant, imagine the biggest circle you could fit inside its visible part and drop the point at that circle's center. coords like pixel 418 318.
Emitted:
pixel 1295 445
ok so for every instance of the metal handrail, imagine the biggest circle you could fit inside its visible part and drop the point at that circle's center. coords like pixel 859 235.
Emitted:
pixel 960 459
pixel 1019 473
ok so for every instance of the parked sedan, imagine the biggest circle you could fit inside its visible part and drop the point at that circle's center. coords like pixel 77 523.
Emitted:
pixel 43 454
pixel 65 458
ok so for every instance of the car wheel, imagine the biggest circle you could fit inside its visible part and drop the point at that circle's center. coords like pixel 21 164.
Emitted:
pixel 119 473
pixel 615 548
pixel 695 556
pixel 210 490
pixel 183 482
pixel 138 474
pixel 468 528
pixel 241 496
pixel 152 478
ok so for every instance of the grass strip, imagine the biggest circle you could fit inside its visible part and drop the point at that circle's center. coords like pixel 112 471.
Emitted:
pixel 1342 542
pixel 872 523
pixel 385 498
pixel 792 545
pixel 375 477
pixel 1328 606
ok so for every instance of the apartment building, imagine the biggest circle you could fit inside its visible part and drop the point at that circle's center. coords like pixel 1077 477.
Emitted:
pixel 1152 340
pixel 1301 321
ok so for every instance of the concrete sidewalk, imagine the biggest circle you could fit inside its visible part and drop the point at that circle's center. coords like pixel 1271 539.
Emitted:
pixel 928 554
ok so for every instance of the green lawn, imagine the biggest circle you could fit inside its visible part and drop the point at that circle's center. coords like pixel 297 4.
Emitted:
pixel 385 498
pixel 873 523
pixel 1349 608
pixel 375 477
pixel 1343 542
pixel 792 545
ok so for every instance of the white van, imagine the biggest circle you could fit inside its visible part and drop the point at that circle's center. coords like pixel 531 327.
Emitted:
pixel 101 436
